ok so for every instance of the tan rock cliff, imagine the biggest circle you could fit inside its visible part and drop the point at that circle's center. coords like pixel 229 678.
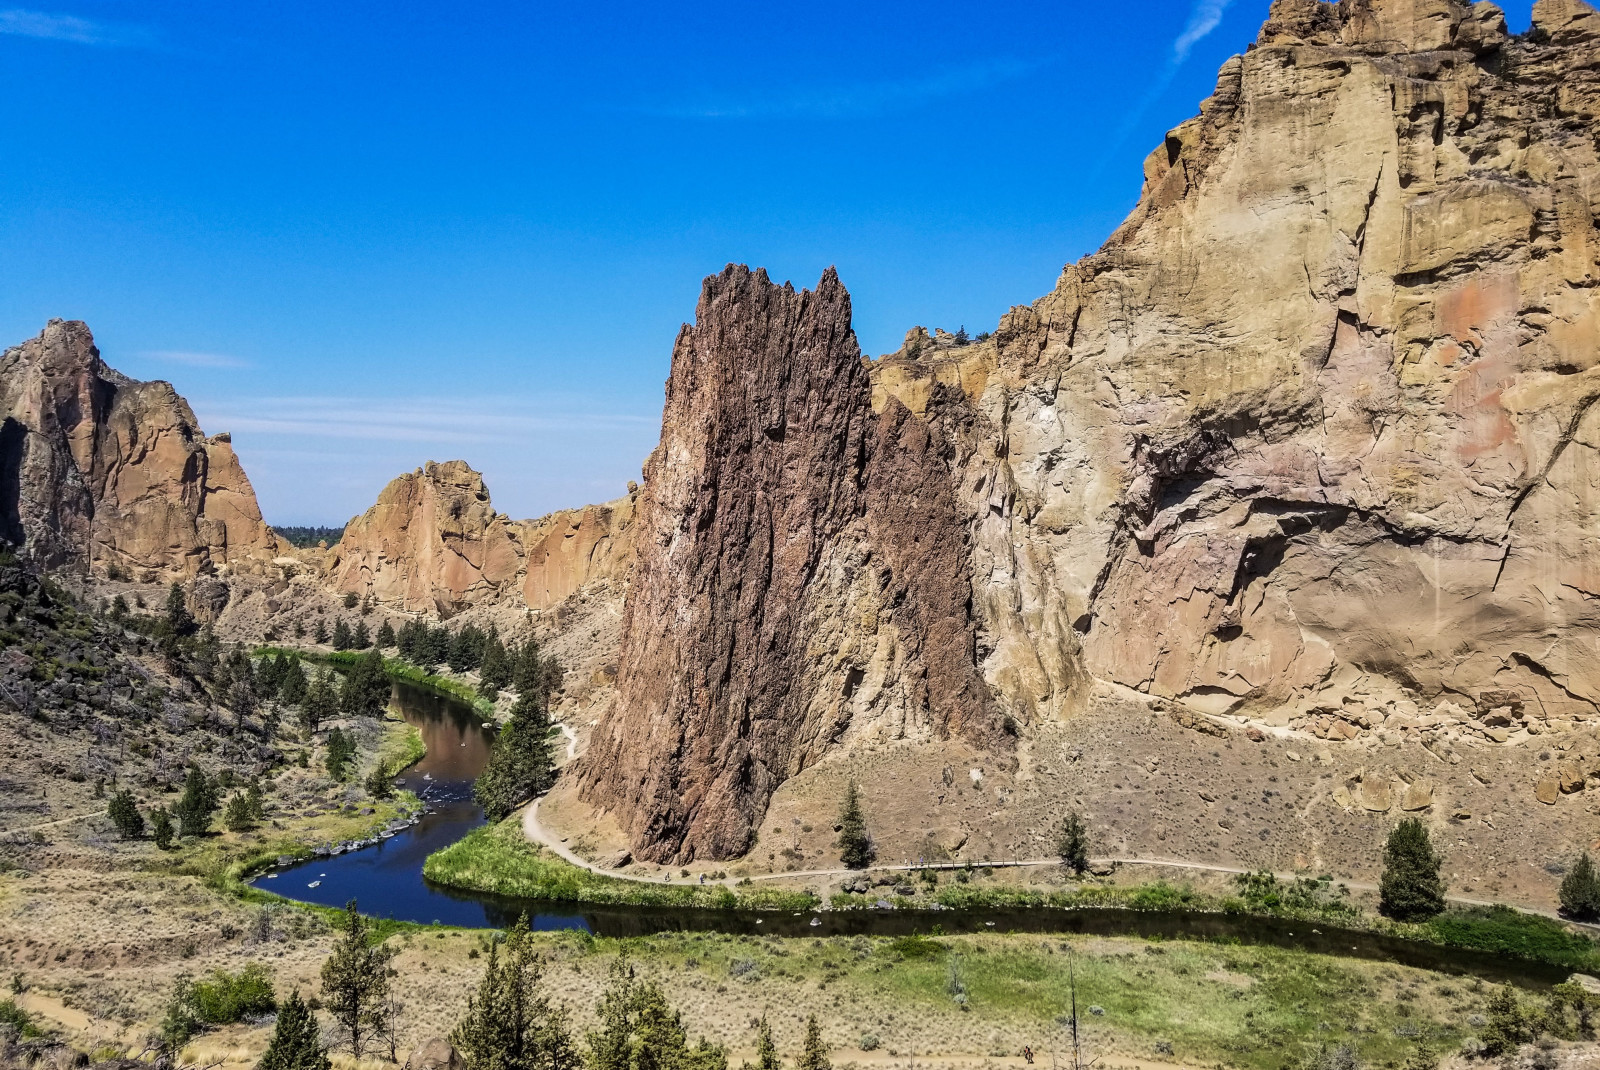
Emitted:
pixel 99 468
pixel 570 549
pixel 433 543
pixel 1317 419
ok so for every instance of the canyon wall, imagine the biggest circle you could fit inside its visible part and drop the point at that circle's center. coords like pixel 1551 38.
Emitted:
pixel 432 543
pixel 800 576
pixel 1314 430
pixel 99 470
pixel 1311 436
pixel 573 548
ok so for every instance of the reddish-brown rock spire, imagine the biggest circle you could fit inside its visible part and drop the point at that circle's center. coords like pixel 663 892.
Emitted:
pixel 756 534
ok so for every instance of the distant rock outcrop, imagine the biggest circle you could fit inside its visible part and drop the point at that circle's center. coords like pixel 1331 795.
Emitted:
pixel 103 471
pixel 800 573
pixel 572 548
pixel 432 543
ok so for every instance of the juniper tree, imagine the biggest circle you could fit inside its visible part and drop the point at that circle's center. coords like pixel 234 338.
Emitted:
pixel 494 670
pixel 269 676
pixel 1571 995
pixel 466 649
pixel 161 827
pixel 1072 844
pixel 386 637
pixel 355 982
pixel 1507 1026
pixel 321 703
pixel 341 752
pixel 409 640
pixel 296 1042
pixel 639 1030
pixel 124 814
pixel 255 799
pixel 1422 1057
pixel 766 1051
pixel 528 670
pixel 320 633
pixel 292 684
pixel 1410 888
pixel 341 635
pixel 237 816
pixel 361 639
pixel 379 782
pixel 242 700
pixel 179 620
pixel 814 1056
pixel 1580 891
pixel 366 687
pixel 509 1025
pixel 855 843
pixel 197 804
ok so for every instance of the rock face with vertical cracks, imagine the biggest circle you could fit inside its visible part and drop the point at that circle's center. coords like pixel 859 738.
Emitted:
pixel 800 576
pixel 1314 430
pixel 1316 427
pixel 99 470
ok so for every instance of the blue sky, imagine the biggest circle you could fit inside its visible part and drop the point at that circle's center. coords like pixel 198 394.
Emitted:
pixel 364 235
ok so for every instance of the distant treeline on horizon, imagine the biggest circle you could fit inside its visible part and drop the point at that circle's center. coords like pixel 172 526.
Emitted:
pixel 301 537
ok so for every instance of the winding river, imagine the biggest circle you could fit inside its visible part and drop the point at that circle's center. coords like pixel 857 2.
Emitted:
pixel 386 880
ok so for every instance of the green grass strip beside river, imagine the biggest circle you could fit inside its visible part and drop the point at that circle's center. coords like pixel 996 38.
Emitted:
pixel 498 859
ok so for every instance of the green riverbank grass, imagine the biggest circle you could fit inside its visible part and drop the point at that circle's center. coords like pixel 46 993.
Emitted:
pixel 1504 931
pixel 499 859
pixel 402 746
pixel 1499 930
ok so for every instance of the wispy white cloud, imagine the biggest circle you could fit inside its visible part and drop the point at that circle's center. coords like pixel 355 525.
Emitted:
pixel 21 22
pixel 1204 17
pixel 314 457
pixel 863 99
pixel 435 420
pixel 195 360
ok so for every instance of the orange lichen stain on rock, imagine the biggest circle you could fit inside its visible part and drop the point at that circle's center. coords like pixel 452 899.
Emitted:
pixel 1485 425
pixel 1479 302
pixel 1476 314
